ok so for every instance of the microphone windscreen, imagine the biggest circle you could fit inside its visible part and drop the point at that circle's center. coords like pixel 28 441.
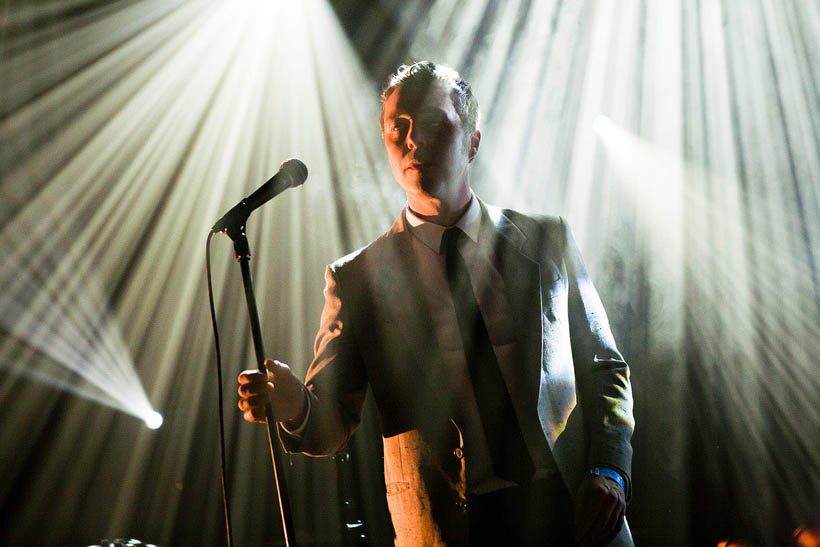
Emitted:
pixel 295 171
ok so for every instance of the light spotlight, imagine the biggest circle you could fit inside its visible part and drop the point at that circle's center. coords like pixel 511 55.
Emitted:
pixel 153 420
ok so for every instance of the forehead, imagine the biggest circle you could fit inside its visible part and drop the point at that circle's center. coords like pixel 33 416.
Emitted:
pixel 413 97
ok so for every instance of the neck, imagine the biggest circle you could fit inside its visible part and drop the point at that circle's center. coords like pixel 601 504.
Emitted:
pixel 441 211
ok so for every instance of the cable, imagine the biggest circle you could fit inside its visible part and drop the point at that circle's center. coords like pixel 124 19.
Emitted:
pixel 219 392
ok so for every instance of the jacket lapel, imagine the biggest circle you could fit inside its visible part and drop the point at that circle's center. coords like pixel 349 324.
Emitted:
pixel 402 288
pixel 407 307
pixel 518 263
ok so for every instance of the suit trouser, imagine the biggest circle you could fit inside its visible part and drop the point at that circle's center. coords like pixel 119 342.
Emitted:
pixel 538 513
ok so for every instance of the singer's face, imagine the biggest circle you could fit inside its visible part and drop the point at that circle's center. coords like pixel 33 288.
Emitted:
pixel 426 143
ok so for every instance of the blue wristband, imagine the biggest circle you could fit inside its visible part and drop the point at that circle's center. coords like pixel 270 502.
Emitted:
pixel 610 474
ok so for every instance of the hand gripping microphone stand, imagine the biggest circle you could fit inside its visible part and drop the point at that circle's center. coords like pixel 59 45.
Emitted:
pixel 292 173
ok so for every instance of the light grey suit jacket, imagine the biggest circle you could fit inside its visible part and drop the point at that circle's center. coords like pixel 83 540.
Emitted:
pixel 376 330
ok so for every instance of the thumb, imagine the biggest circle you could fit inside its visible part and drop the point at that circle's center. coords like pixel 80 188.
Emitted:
pixel 275 368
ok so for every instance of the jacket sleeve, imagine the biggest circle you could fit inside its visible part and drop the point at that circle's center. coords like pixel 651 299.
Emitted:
pixel 601 374
pixel 336 381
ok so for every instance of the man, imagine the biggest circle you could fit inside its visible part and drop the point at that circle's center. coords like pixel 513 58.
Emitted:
pixel 478 331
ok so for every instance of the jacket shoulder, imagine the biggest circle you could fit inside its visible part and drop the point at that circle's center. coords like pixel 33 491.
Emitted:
pixel 526 220
pixel 362 258
pixel 544 229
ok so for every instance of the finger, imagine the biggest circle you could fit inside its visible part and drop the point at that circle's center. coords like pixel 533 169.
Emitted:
pixel 251 376
pixel 591 533
pixel 251 402
pixel 615 524
pixel 601 528
pixel 250 390
pixel 254 415
pixel 586 516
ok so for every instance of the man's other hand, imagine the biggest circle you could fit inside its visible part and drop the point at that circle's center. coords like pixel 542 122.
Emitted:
pixel 279 386
pixel 599 511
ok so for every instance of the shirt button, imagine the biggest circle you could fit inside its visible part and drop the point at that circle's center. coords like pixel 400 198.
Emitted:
pixel 458 452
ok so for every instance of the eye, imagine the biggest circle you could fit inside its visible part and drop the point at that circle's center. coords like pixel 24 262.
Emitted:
pixel 396 128
pixel 433 123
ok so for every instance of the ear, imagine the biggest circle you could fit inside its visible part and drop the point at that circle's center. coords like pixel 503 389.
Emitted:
pixel 475 139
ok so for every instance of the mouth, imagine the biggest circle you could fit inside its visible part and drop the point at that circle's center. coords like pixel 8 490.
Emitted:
pixel 418 165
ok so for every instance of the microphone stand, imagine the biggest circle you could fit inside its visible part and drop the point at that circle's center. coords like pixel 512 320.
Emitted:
pixel 236 232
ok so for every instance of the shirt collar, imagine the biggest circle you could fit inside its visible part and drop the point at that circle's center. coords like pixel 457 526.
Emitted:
pixel 430 234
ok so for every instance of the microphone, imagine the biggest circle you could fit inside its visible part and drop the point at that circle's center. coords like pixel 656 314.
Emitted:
pixel 292 173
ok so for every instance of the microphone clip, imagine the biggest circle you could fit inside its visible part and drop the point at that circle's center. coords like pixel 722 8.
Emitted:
pixel 234 219
pixel 232 224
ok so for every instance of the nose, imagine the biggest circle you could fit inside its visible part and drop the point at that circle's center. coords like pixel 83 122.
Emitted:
pixel 414 137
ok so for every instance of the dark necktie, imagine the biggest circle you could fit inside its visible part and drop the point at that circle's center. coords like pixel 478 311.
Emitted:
pixel 509 454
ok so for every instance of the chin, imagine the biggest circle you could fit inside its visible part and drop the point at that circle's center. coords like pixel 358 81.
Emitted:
pixel 423 187
pixel 431 188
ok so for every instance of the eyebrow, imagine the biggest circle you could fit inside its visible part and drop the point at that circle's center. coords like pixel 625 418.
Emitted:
pixel 398 113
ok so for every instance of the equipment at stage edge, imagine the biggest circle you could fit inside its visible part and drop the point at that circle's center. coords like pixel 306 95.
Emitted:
pixel 120 542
